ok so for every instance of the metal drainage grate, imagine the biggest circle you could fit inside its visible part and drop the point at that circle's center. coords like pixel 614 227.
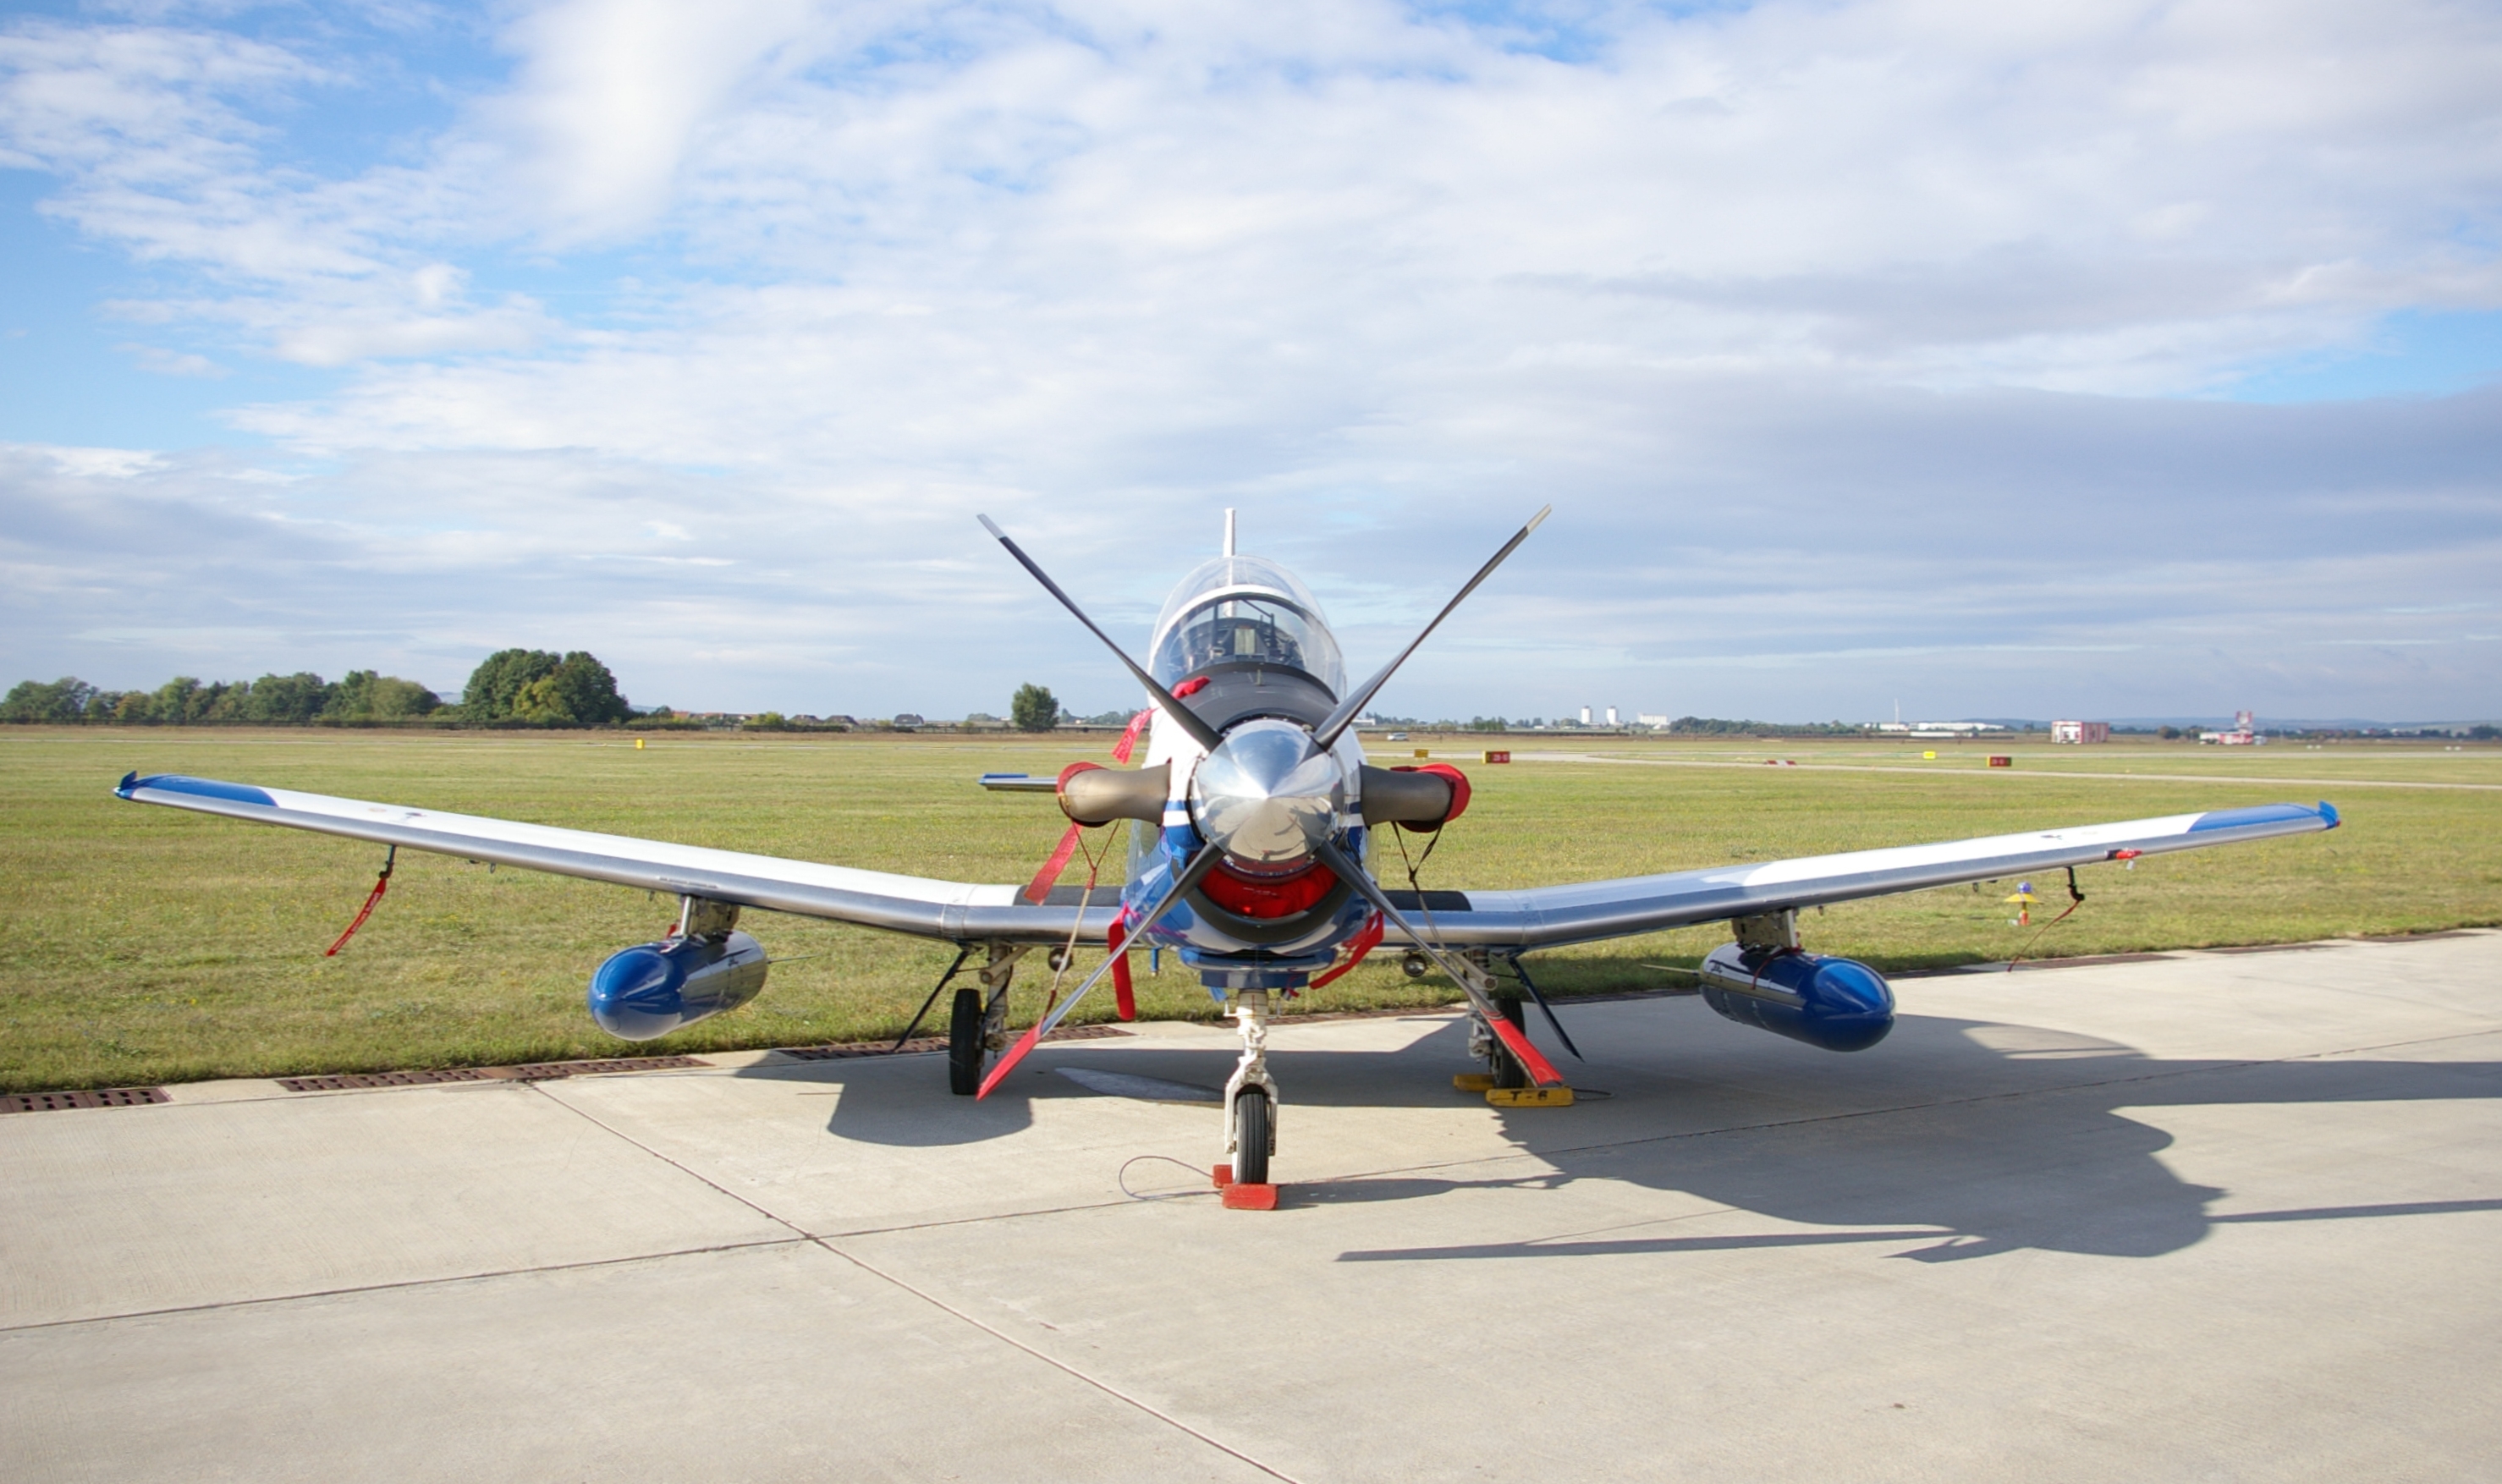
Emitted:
pixel 933 1043
pixel 344 1081
pixel 93 1098
pixel 550 1071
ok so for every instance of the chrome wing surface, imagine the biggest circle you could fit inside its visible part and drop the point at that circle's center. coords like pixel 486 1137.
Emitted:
pixel 1545 916
pixel 954 910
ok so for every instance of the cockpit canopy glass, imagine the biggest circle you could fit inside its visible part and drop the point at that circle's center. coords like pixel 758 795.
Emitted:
pixel 1244 608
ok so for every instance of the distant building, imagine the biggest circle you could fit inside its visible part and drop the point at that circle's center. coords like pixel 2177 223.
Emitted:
pixel 1648 720
pixel 2243 734
pixel 1586 716
pixel 1611 715
pixel 2081 732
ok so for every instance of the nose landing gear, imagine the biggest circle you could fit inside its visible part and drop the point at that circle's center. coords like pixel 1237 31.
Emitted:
pixel 1250 1111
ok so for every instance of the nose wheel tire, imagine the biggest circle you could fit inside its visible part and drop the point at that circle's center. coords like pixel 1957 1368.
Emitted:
pixel 1251 1136
pixel 965 1052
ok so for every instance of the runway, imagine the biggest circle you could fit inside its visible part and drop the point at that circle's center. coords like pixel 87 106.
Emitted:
pixel 2222 1215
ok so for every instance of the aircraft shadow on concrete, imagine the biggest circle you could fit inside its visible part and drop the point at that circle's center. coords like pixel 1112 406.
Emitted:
pixel 1974 1138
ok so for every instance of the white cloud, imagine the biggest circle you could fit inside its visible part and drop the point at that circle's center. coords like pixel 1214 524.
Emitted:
pixel 160 361
pixel 1840 334
pixel 88 463
pixel 614 91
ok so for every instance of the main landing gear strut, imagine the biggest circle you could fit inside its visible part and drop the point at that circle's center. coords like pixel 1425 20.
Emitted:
pixel 1505 1082
pixel 980 1022
pixel 978 1028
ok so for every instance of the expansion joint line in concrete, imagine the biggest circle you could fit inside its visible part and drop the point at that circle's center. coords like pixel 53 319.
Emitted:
pixel 940 1305
pixel 352 1288
pixel 1105 1386
pixel 545 1091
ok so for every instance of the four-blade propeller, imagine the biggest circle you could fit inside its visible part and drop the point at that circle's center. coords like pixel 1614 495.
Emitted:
pixel 1270 808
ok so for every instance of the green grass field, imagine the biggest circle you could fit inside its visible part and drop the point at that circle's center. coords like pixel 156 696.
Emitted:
pixel 146 945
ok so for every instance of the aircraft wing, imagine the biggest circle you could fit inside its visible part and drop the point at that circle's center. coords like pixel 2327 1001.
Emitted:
pixel 1545 916
pixel 954 910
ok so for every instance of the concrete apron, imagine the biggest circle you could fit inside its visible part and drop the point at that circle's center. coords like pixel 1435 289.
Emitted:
pixel 2221 1216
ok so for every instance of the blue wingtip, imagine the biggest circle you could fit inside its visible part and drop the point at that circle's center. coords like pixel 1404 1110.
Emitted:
pixel 129 781
pixel 2328 812
pixel 197 788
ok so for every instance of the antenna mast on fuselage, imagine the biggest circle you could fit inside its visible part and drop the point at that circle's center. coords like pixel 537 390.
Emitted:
pixel 1228 531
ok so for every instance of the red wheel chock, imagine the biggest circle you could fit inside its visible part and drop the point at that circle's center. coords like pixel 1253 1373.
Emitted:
pixel 1239 1196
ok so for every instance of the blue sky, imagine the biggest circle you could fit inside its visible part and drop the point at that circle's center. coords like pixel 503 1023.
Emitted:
pixel 2101 361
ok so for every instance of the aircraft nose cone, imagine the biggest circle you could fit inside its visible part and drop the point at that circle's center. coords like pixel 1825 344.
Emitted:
pixel 1266 796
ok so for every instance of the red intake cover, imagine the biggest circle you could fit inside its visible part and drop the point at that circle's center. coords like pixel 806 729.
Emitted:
pixel 1266 897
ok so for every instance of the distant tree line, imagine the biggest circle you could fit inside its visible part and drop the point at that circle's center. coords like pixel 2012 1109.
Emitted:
pixel 1714 726
pixel 533 685
pixel 1034 708
pixel 514 686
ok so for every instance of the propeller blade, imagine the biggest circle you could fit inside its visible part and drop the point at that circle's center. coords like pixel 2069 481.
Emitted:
pixel 1326 734
pixel 1540 1071
pixel 1199 865
pixel 1183 717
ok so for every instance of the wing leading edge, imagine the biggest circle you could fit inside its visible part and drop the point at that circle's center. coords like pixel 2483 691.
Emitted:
pixel 1547 917
pixel 1540 917
pixel 955 910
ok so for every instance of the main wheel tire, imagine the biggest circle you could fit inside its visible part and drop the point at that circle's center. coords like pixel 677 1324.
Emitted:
pixel 965 1052
pixel 1251 1136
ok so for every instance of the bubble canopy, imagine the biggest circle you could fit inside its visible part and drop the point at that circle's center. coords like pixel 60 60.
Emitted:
pixel 1244 609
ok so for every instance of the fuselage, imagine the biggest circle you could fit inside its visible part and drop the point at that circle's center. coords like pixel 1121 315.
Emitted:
pixel 1245 644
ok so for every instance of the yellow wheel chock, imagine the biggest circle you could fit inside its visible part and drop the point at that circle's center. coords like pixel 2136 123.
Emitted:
pixel 1513 1097
pixel 1530 1096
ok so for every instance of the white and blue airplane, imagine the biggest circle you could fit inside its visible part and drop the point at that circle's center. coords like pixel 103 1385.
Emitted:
pixel 1254 815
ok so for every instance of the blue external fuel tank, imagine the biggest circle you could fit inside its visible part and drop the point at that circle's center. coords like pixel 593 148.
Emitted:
pixel 652 989
pixel 1840 1004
